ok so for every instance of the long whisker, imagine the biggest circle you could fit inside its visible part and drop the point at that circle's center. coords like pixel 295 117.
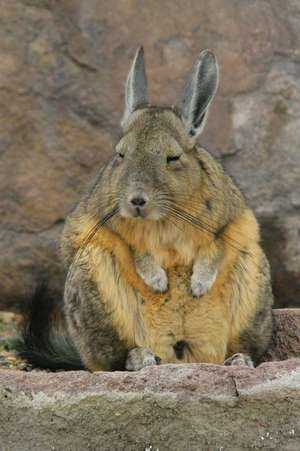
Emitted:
pixel 172 219
pixel 198 203
pixel 95 229
pixel 199 224
pixel 206 222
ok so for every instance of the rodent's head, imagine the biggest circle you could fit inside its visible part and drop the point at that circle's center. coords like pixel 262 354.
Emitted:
pixel 154 161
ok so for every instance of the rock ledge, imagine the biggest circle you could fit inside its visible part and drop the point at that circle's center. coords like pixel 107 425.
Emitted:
pixel 171 407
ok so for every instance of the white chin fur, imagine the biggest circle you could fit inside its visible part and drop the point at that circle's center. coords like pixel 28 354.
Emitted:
pixel 153 215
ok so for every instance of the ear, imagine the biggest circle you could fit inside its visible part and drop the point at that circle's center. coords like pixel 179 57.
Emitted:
pixel 199 90
pixel 136 86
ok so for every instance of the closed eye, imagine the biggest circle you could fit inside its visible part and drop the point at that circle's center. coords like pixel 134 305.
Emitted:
pixel 173 158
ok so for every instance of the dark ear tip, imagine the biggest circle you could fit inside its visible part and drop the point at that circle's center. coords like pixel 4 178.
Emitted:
pixel 208 55
pixel 140 51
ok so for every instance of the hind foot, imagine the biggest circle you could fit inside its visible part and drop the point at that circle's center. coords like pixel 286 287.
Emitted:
pixel 239 360
pixel 139 358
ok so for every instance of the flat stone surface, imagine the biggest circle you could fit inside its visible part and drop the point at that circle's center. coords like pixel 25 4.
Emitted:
pixel 171 407
pixel 167 407
pixel 62 72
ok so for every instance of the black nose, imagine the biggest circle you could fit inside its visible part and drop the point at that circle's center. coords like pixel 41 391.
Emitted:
pixel 138 201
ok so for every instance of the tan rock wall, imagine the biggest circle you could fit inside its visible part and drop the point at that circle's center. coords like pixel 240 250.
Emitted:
pixel 62 69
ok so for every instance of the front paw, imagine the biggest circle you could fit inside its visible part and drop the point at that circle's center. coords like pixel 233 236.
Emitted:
pixel 139 358
pixel 156 278
pixel 201 283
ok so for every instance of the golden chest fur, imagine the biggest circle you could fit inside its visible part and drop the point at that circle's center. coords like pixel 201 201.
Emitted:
pixel 174 325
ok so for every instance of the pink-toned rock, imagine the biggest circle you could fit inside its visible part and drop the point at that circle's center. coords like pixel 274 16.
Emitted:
pixel 168 407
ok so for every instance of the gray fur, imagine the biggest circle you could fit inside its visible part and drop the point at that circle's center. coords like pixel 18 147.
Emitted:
pixel 198 92
pixel 257 336
pixel 136 86
pixel 100 347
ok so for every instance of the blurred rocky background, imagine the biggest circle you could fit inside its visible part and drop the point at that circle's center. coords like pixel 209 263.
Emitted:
pixel 63 64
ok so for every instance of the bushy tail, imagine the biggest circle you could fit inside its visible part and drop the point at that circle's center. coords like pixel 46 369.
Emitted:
pixel 44 341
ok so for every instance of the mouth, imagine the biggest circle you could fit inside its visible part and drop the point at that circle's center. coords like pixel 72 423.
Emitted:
pixel 127 211
pixel 139 213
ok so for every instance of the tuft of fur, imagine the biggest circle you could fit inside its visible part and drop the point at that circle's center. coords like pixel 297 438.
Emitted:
pixel 44 342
